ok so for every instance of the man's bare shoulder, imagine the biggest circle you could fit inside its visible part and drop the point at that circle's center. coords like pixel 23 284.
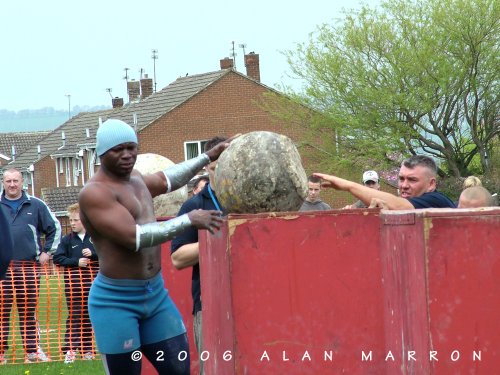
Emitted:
pixel 95 190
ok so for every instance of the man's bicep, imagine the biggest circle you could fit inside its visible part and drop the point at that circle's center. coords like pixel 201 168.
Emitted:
pixel 109 217
pixel 156 183
pixel 185 256
pixel 399 203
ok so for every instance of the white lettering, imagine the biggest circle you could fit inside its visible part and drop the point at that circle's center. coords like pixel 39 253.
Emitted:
pixel 182 355
pixel 328 356
pixel 227 356
pixel 365 357
pixel 204 355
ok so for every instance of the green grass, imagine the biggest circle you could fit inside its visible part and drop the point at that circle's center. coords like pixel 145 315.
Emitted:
pixel 52 313
pixel 54 368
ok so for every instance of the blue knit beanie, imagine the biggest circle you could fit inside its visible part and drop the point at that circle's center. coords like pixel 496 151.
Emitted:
pixel 113 132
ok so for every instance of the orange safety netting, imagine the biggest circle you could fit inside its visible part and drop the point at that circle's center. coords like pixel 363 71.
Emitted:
pixel 44 314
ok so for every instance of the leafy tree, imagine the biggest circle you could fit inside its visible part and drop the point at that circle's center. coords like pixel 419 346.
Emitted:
pixel 408 77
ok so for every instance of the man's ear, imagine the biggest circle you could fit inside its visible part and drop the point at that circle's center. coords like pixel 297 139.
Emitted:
pixel 432 184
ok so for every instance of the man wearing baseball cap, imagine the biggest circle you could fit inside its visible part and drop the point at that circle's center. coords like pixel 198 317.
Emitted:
pixel 371 180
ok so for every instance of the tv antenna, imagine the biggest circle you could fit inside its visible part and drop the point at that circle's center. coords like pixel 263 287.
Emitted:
pixel 126 74
pixel 154 56
pixel 233 55
pixel 108 90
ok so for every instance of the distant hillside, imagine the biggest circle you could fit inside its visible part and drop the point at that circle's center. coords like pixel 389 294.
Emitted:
pixel 28 120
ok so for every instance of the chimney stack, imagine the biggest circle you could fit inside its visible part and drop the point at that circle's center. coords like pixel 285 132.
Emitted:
pixel 146 87
pixel 226 63
pixel 134 90
pixel 252 65
pixel 117 102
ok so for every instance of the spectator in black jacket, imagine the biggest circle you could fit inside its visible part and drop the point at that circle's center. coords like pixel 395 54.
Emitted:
pixel 5 245
pixel 185 247
pixel 77 254
pixel 30 219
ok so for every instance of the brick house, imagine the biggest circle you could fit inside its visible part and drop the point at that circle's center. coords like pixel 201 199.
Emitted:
pixel 13 144
pixel 174 122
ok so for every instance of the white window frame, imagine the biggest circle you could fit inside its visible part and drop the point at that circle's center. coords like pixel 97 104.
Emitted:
pixel 67 171
pixel 27 181
pixel 92 161
pixel 76 170
pixel 199 145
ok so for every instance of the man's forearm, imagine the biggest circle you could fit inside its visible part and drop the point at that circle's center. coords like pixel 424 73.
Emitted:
pixel 366 194
pixel 152 234
pixel 186 256
pixel 180 174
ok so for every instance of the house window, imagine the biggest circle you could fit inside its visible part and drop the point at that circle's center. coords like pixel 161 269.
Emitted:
pixel 68 171
pixel 76 170
pixel 61 167
pixel 27 181
pixel 193 149
pixel 92 161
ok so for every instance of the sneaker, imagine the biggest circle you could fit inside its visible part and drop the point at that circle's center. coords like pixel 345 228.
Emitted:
pixel 38 356
pixel 69 357
pixel 89 356
pixel 30 358
pixel 3 360
pixel 41 356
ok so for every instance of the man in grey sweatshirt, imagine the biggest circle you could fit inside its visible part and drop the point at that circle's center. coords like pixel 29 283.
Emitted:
pixel 312 201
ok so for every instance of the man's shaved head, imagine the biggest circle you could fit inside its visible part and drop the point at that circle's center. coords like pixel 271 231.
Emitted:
pixel 476 196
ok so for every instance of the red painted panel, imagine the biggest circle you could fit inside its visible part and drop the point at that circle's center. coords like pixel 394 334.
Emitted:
pixel 405 314
pixel 415 289
pixel 280 291
pixel 463 256
pixel 178 284
pixel 442 290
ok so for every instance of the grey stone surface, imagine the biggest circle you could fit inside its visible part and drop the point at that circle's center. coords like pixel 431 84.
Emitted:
pixel 165 204
pixel 260 172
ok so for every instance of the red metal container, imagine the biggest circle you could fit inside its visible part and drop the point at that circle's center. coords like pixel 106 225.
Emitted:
pixel 355 292
pixel 442 291
pixel 293 294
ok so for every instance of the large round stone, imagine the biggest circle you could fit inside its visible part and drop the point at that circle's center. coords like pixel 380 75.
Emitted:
pixel 260 172
pixel 165 204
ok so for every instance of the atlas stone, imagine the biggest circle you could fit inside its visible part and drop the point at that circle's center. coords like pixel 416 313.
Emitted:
pixel 260 172
pixel 165 204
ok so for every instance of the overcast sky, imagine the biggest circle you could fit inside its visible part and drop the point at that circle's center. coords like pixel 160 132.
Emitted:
pixel 56 47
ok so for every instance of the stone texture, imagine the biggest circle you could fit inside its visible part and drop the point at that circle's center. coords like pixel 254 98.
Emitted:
pixel 165 204
pixel 260 172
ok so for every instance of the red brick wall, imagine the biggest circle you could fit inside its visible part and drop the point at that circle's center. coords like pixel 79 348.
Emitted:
pixel 225 108
pixel 45 175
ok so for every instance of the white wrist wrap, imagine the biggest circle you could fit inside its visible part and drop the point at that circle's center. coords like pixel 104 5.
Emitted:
pixel 179 175
pixel 151 234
